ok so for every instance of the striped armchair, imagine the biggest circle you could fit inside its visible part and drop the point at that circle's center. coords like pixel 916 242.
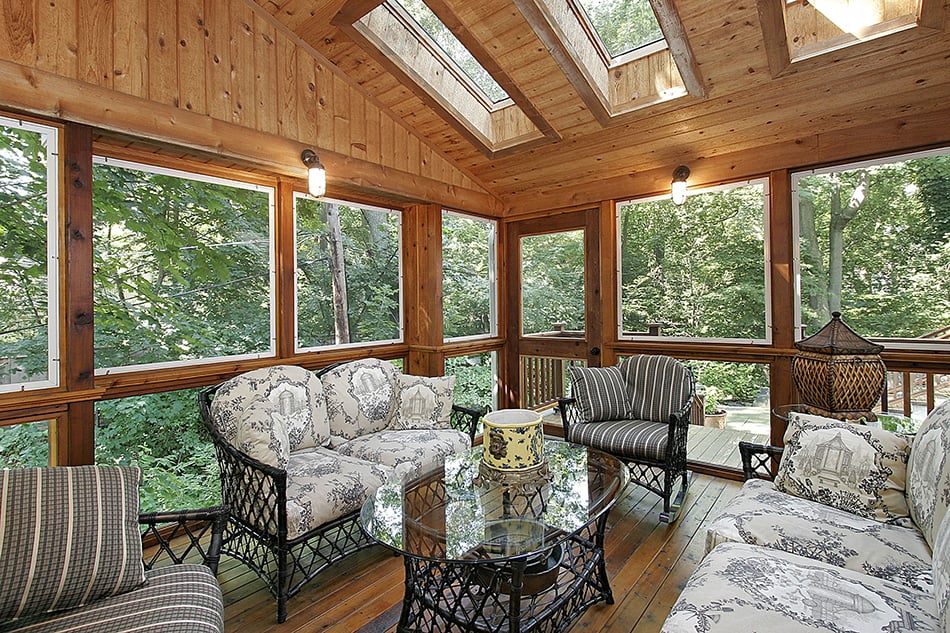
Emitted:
pixel 639 412
pixel 71 556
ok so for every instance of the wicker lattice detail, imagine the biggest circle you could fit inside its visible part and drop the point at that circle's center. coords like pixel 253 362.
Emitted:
pixel 483 596
pixel 759 461
pixel 177 537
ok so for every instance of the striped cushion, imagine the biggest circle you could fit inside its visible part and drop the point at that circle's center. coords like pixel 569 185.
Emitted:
pixel 601 393
pixel 176 599
pixel 631 439
pixel 659 386
pixel 68 537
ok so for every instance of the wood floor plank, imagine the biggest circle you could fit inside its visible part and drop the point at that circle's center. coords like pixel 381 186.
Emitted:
pixel 647 562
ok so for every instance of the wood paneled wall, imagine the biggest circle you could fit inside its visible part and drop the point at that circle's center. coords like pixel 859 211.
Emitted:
pixel 230 61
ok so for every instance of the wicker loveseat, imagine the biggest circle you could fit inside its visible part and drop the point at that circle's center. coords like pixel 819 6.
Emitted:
pixel 860 546
pixel 299 453
pixel 638 411
pixel 71 556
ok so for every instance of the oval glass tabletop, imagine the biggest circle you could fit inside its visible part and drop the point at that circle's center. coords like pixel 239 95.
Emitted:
pixel 457 514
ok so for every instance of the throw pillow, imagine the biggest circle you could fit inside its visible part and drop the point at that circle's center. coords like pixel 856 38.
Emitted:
pixel 263 435
pixel 423 403
pixel 361 397
pixel 601 393
pixel 70 536
pixel 852 467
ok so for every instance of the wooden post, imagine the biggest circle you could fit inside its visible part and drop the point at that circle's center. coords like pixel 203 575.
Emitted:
pixel 422 231
pixel 75 437
pixel 285 249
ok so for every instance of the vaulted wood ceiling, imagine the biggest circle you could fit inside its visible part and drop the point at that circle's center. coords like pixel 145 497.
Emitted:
pixel 752 118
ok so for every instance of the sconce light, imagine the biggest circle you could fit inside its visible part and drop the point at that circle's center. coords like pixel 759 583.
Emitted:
pixel 678 187
pixel 317 174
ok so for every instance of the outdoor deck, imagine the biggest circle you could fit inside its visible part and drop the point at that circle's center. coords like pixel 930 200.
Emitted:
pixel 719 447
pixel 647 562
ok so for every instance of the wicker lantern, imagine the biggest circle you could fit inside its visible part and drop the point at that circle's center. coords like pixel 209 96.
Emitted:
pixel 838 373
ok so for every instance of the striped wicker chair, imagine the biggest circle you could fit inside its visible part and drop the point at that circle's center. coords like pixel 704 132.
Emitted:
pixel 639 412
pixel 72 558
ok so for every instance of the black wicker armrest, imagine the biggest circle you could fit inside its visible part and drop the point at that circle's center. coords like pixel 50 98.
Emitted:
pixel 570 414
pixel 759 461
pixel 466 420
pixel 174 536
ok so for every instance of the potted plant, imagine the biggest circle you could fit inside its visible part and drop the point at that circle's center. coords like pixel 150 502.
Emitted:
pixel 714 415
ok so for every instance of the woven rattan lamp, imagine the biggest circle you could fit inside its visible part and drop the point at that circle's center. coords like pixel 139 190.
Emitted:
pixel 838 373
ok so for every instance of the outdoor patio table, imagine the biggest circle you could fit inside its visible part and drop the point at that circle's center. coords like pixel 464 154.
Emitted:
pixel 482 555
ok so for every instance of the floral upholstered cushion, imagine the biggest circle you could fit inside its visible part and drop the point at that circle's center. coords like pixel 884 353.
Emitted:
pixel 928 473
pixel 423 402
pixel 323 485
pixel 295 406
pixel 849 466
pixel 600 392
pixel 409 452
pixel 740 587
pixel 262 435
pixel 941 571
pixel 761 515
pixel 361 397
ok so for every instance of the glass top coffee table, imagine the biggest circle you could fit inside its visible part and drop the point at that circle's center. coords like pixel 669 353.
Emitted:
pixel 483 555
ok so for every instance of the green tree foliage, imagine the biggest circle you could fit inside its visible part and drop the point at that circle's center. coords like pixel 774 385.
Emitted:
pixel 895 258
pixel 552 281
pixel 623 25
pixel 474 380
pixel 24 337
pixel 182 268
pixel 466 276
pixel 696 269
pixel 371 254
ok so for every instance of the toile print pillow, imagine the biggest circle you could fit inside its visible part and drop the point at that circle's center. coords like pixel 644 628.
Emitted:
pixel 852 467
pixel 423 402
pixel 263 435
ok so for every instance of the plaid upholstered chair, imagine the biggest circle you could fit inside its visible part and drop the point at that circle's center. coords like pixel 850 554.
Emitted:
pixel 71 556
pixel 639 412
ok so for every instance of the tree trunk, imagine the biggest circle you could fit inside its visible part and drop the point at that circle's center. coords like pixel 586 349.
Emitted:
pixel 818 302
pixel 840 217
pixel 341 327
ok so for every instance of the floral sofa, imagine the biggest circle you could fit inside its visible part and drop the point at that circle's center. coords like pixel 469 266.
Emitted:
pixel 850 536
pixel 71 556
pixel 300 452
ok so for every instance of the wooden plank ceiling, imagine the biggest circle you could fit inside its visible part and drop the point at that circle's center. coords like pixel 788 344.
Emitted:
pixel 748 110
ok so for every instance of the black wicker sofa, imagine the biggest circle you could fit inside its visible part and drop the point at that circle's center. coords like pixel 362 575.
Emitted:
pixel 299 452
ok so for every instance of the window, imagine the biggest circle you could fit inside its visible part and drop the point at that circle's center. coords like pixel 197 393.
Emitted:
pixel 163 434
pixel 25 444
pixel 622 26
pixel 439 33
pixel 874 244
pixel 29 270
pixel 696 271
pixel 468 276
pixel 552 284
pixel 183 267
pixel 349 273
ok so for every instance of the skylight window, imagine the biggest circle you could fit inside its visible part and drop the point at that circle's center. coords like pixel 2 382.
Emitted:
pixel 432 26
pixel 622 25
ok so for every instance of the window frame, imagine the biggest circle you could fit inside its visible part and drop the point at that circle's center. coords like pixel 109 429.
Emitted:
pixel 99 159
pixel 493 292
pixel 401 327
pixel 890 343
pixel 766 269
pixel 54 327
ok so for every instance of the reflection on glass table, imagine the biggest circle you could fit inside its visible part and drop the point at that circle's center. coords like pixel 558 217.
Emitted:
pixel 481 555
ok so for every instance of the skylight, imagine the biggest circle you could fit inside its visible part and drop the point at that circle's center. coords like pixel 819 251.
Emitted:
pixel 432 26
pixel 622 25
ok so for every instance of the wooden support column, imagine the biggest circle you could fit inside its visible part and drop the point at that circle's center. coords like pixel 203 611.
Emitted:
pixel 422 229
pixel 75 436
pixel 782 248
pixel 285 250
pixel 603 328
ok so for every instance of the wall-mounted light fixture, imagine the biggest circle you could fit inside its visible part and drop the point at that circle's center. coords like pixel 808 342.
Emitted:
pixel 678 187
pixel 316 173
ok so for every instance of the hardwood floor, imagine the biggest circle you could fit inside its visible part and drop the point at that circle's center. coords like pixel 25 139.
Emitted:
pixel 647 562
